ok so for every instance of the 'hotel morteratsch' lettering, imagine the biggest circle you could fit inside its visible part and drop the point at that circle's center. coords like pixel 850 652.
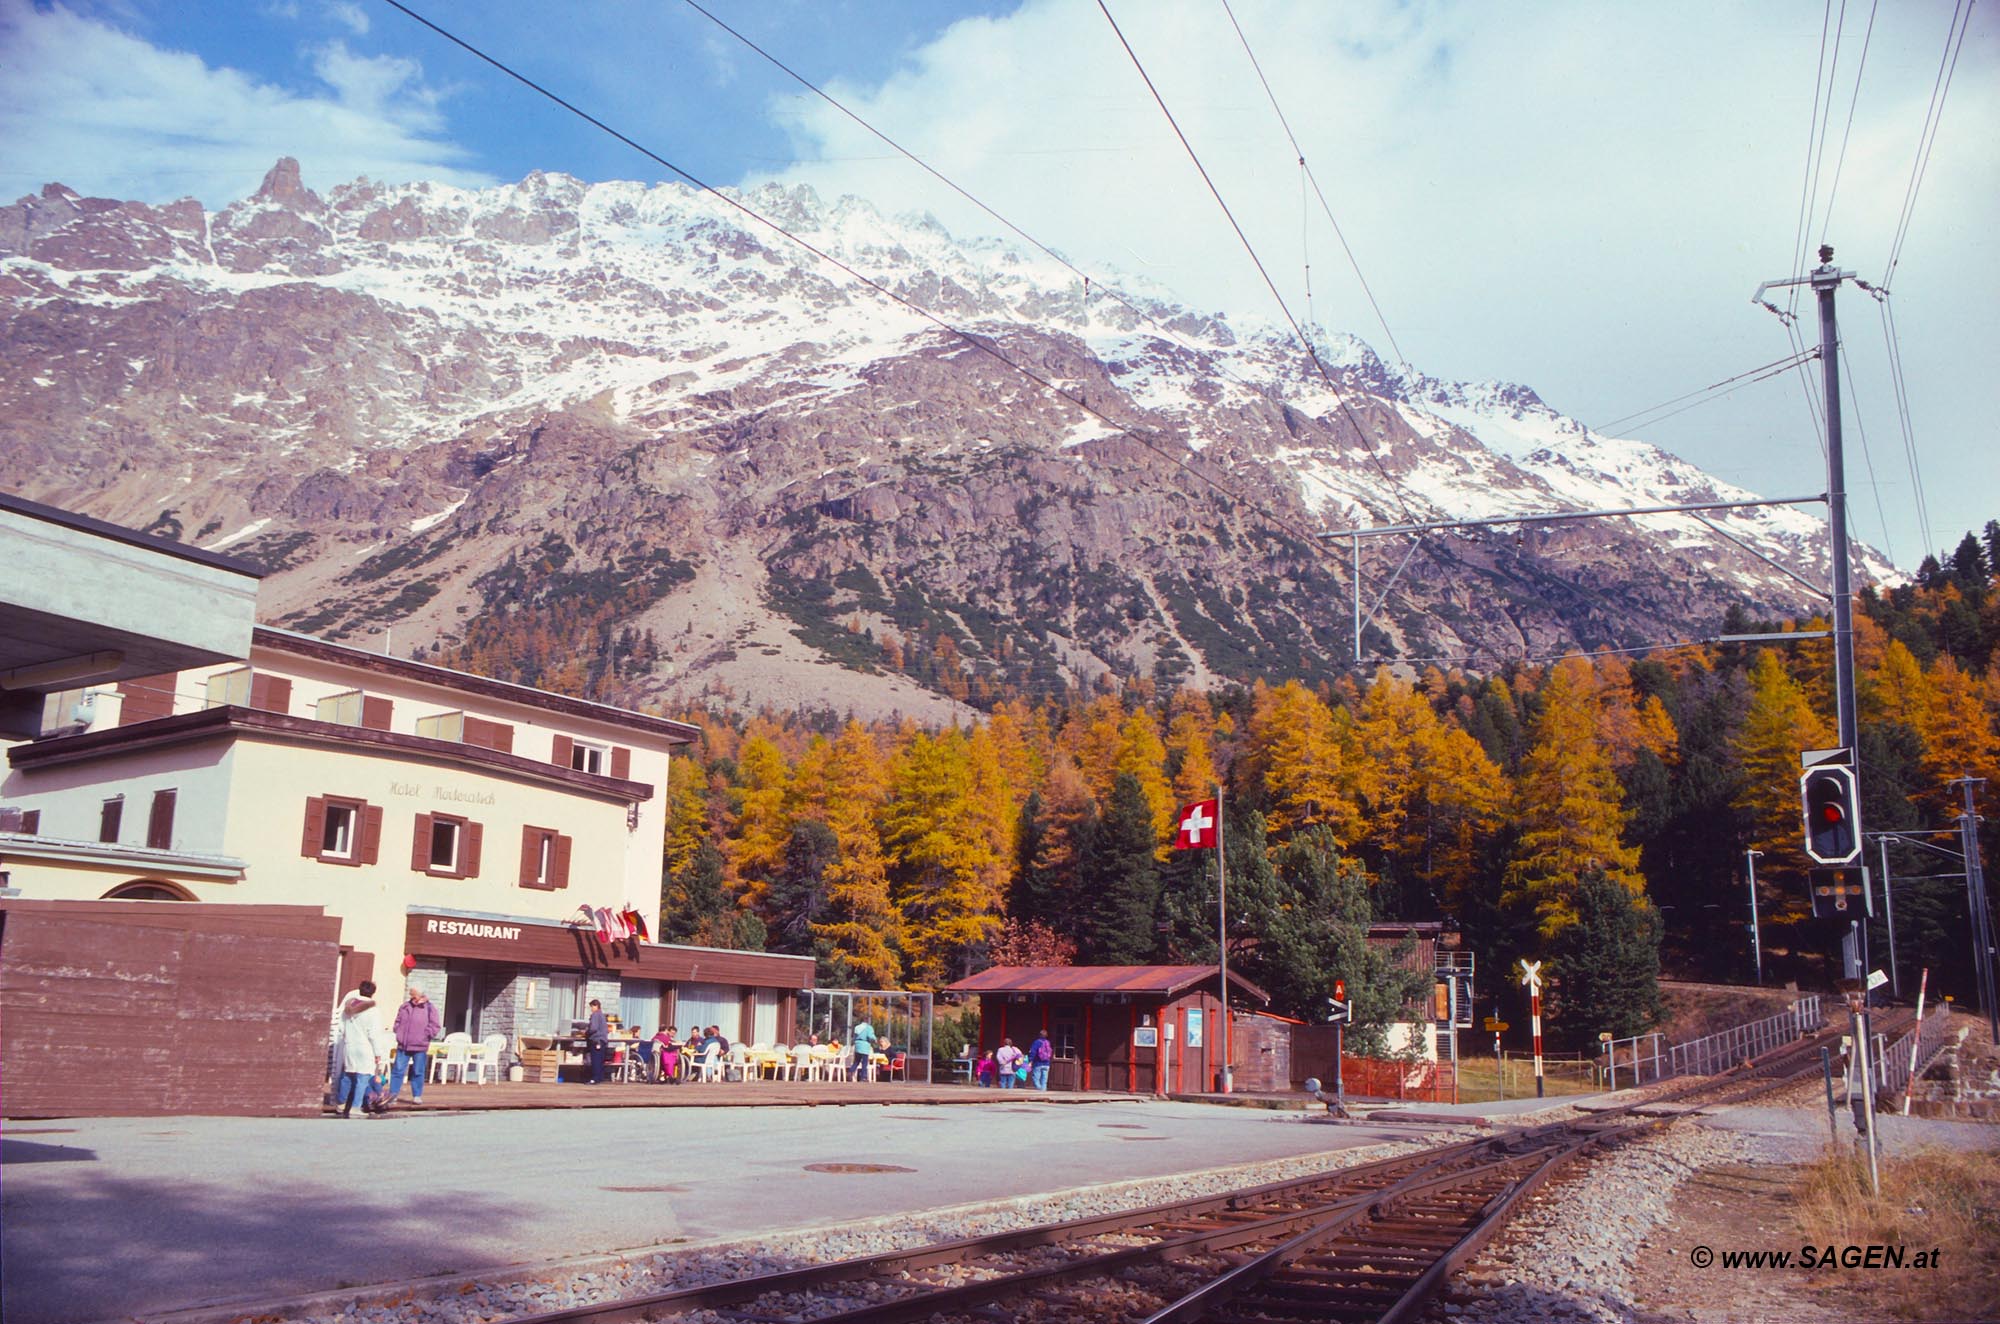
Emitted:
pixel 471 929
pixel 462 797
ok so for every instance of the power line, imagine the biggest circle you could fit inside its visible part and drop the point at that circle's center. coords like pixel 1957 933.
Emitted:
pixel 1756 374
pixel 1867 456
pixel 1927 138
pixel 1248 247
pixel 1812 139
pixel 1314 180
pixel 1840 161
pixel 980 343
pixel 1894 346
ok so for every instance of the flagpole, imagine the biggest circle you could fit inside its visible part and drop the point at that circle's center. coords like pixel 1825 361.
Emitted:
pixel 1222 939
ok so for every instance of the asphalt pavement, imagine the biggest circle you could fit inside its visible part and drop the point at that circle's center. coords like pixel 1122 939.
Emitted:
pixel 104 1218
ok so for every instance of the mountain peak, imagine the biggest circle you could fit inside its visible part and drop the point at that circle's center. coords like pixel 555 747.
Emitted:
pixel 283 186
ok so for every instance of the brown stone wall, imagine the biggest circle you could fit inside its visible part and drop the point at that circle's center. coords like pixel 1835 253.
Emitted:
pixel 145 1008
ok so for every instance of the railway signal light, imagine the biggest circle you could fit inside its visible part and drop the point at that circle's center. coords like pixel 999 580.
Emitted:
pixel 1838 893
pixel 1832 814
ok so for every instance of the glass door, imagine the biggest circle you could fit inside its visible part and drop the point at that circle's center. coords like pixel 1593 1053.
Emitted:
pixel 461 1002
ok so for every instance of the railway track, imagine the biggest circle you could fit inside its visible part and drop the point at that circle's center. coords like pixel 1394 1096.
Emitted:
pixel 1372 1242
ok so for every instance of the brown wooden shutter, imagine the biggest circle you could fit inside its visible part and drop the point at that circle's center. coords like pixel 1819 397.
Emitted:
pixel 111 819
pixel 315 827
pixel 468 849
pixel 147 697
pixel 531 855
pixel 31 822
pixel 502 737
pixel 271 694
pixel 621 762
pixel 565 751
pixel 371 833
pixel 375 711
pixel 559 863
pixel 420 844
pixel 160 823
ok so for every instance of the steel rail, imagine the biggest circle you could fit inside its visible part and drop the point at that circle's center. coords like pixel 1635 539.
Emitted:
pixel 1330 1204
pixel 737 1290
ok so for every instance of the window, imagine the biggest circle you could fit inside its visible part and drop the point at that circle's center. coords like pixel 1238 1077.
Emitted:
pixel 345 709
pixel 160 823
pixel 339 830
pixel 445 834
pixel 445 846
pixel 591 757
pixel 229 689
pixel 544 858
pixel 337 837
pixel 111 818
pixel 442 726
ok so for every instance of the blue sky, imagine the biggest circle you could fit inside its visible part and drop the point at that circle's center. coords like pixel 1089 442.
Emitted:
pixel 1572 195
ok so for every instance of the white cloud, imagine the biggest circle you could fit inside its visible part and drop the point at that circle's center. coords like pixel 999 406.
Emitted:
pixel 352 15
pixel 106 112
pixel 1576 196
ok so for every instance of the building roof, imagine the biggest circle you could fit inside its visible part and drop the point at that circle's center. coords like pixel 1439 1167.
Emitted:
pixel 325 650
pixel 1156 980
pixel 69 519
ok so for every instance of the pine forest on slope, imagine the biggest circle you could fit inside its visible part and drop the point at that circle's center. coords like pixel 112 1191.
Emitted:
pixel 613 439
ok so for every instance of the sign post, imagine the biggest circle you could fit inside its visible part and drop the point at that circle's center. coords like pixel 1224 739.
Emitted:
pixel 1496 1025
pixel 1531 975
pixel 1342 1011
pixel 1917 1039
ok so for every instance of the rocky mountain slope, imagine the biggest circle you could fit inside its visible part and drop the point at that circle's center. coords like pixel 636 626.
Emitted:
pixel 629 431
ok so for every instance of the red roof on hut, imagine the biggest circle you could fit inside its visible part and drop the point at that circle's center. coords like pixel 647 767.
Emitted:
pixel 1160 980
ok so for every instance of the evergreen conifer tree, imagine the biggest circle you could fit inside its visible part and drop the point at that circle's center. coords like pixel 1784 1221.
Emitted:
pixel 1122 881
pixel 1607 965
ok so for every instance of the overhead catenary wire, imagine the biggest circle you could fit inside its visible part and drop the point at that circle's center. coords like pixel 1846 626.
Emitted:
pixel 1305 341
pixel 1885 306
pixel 1746 378
pixel 1954 41
pixel 1812 155
pixel 1867 456
pixel 979 343
pixel 1840 160
pixel 1325 207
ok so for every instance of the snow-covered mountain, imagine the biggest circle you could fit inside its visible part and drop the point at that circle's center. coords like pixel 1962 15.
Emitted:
pixel 423 406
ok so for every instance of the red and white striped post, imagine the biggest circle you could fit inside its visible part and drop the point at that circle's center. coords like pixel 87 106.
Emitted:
pixel 1916 1040
pixel 1532 977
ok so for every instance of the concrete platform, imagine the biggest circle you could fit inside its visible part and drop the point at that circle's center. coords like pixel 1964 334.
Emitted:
pixel 111 1218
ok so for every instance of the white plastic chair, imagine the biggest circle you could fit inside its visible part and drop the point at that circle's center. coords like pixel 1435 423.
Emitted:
pixel 484 1057
pixel 711 1063
pixel 454 1050
pixel 738 1065
pixel 837 1068
pixel 804 1065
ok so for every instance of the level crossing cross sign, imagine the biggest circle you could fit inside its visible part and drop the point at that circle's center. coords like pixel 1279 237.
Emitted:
pixel 1531 975
pixel 1197 829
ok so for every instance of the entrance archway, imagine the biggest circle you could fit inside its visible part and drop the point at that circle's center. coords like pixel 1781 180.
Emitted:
pixel 148 889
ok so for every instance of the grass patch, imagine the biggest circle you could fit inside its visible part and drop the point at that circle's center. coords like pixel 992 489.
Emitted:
pixel 1481 1081
pixel 1949 1199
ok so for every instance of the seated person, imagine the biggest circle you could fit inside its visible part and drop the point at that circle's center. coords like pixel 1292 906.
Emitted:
pixel 714 1036
pixel 644 1048
pixel 667 1056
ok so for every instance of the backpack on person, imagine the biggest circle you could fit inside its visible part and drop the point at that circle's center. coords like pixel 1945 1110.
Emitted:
pixel 1044 1051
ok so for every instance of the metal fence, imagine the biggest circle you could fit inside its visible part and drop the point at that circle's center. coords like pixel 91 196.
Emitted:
pixel 901 1020
pixel 1718 1052
pixel 1892 1064
pixel 1646 1058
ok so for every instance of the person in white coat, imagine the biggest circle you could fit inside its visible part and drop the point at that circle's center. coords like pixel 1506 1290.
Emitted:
pixel 363 1047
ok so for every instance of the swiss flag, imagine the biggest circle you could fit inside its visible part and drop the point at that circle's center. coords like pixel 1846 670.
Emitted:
pixel 1199 827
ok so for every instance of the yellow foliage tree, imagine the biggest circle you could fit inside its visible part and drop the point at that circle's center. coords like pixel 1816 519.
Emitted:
pixel 1297 746
pixel 1780 724
pixel 860 922
pixel 945 876
pixel 756 847
pixel 1568 805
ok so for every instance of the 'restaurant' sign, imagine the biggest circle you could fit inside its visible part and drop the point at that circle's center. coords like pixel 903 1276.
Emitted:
pixel 465 928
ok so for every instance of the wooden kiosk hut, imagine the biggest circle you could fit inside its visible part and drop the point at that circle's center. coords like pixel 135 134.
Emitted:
pixel 1152 1029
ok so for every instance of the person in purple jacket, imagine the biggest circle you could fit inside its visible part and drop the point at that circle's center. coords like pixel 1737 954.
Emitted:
pixel 417 1024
